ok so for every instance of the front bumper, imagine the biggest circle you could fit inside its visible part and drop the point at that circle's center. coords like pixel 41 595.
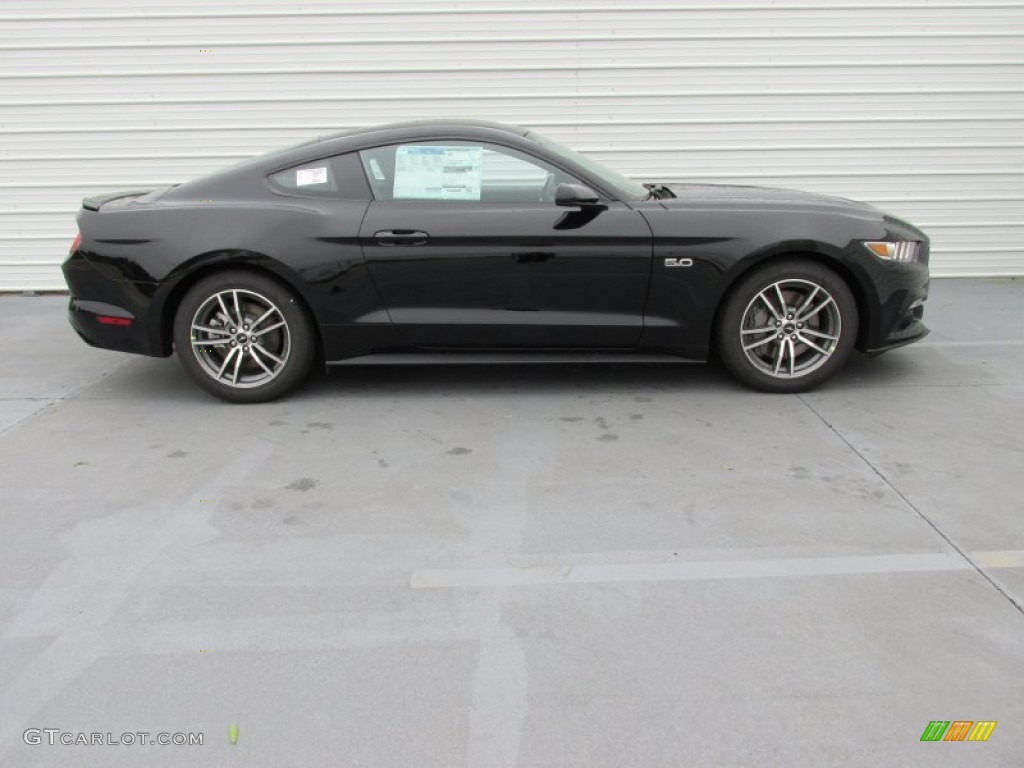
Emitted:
pixel 896 317
pixel 903 290
pixel 908 328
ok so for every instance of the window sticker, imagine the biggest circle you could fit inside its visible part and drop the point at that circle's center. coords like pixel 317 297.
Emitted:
pixel 306 176
pixel 378 174
pixel 437 172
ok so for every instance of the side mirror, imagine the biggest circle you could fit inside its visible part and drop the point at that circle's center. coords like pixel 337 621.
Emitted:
pixel 576 194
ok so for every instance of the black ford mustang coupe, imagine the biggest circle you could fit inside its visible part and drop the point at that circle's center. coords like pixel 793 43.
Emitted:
pixel 479 241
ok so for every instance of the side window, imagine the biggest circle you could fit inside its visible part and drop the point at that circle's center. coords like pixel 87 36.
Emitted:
pixel 459 171
pixel 339 177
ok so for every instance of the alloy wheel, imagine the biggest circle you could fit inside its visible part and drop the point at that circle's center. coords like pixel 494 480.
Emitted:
pixel 240 338
pixel 790 328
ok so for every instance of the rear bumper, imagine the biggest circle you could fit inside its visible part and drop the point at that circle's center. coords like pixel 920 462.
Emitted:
pixel 112 314
pixel 97 323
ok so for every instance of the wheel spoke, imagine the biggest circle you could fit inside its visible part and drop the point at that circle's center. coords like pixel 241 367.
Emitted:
pixel 268 329
pixel 812 345
pixel 238 309
pixel 261 318
pixel 254 356
pixel 211 329
pixel 808 301
pixel 224 309
pixel 815 310
pixel 210 342
pixel 782 300
pixel 769 329
pixel 238 366
pixel 775 312
pixel 778 359
pixel 792 356
pixel 756 344
pixel 227 360
pixel 819 334
pixel 275 358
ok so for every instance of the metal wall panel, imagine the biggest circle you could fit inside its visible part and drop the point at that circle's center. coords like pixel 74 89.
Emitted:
pixel 916 106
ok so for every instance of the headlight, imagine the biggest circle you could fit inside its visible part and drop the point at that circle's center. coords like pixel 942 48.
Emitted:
pixel 904 251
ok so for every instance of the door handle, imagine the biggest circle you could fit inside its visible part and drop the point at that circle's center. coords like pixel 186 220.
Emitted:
pixel 400 237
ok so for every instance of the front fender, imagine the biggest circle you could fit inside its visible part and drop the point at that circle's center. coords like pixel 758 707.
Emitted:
pixel 723 244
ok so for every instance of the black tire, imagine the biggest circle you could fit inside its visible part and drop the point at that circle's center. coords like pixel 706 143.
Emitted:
pixel 770 340
pixel 261 358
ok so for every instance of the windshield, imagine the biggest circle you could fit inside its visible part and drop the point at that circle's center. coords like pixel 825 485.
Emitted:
pixel 625 186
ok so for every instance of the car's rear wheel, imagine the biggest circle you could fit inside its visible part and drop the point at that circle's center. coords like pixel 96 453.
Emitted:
pixel 787 327
pixel 243 337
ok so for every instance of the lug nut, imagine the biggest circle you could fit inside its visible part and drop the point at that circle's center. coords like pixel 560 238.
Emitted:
pixel 789 317
pixel 779 336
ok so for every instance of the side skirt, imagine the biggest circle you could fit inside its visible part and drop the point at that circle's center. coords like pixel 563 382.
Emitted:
pixel 484 358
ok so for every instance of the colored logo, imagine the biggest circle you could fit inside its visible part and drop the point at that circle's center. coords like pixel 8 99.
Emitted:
pixel 958 730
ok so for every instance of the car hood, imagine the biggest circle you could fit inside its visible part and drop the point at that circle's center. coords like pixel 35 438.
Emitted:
pixel 691 194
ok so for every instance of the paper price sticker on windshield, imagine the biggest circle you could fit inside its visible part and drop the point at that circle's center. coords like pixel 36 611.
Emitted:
pixel 437 172
pixel 307 176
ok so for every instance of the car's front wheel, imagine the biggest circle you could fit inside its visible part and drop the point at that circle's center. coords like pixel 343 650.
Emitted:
pixel 787 326
pixel 243 337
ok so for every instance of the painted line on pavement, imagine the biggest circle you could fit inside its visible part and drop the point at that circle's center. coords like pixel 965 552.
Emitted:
pixel 440 578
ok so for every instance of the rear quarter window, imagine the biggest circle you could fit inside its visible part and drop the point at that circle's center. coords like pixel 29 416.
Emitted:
pixel 339 177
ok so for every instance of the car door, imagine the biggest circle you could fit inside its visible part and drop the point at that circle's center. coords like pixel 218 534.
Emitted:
pixel 468 249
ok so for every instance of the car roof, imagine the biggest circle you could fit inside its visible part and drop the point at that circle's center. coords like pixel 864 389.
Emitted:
pixel 237 179
pixel 431 126
pixel 360 138
pixel 244 172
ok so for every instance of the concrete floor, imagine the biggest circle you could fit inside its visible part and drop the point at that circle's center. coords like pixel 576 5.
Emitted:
pixel 499 566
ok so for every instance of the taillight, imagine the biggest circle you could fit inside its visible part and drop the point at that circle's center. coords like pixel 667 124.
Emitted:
pixel 124 322
pixel 75 243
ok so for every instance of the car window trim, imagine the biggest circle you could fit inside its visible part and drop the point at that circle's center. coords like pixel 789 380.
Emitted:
pixel 282 192
pixel 600 189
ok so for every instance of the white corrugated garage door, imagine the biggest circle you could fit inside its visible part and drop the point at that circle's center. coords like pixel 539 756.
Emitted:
pixel 915 106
